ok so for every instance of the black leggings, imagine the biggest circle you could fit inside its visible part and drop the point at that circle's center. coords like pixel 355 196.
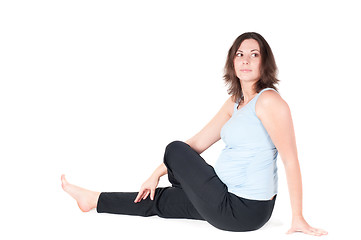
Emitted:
pixel 196 193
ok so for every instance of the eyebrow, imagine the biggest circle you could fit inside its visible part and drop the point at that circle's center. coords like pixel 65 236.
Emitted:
pixel 251 50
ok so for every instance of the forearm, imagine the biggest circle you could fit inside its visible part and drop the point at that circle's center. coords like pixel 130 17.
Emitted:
pixel 161 170
pixel 192 143
pixel 294 181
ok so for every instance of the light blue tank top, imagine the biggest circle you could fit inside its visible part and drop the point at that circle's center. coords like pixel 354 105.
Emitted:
pixel 247 164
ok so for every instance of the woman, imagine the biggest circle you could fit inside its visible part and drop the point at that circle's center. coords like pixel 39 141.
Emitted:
pixel 239 193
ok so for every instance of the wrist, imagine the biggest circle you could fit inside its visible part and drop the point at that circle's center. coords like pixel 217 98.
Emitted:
pixel 160 171
pixel 155 176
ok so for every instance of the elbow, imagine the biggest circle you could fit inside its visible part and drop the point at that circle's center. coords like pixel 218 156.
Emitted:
pixel 291 163
pixel 193 144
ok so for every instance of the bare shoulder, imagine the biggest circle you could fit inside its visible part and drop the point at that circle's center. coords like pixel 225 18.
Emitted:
pixel 271 102
pixel 229 106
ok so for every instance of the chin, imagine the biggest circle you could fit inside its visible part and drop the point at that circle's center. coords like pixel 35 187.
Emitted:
pixel 248 79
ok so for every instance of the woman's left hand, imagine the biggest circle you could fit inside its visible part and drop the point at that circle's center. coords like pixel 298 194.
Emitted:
pixel 299 224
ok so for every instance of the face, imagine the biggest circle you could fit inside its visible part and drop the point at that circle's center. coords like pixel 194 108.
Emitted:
pixel 247 61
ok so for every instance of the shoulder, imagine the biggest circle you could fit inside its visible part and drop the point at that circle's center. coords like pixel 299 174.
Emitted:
pixel 270 102
pixel 229 105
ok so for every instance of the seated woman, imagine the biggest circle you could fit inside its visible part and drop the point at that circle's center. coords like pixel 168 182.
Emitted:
pixel 239 193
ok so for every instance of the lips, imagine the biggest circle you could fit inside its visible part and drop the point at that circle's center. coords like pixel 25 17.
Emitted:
pixel 246 70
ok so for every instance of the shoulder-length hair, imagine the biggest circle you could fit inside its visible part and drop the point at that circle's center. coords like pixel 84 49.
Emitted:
pixel 268 68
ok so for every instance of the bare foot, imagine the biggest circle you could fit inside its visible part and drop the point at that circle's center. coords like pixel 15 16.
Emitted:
pixel 86 199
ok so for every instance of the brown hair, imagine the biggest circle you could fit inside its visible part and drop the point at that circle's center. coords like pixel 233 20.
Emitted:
pixel 268 69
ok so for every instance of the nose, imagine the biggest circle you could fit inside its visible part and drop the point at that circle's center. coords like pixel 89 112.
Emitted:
pixel 245 60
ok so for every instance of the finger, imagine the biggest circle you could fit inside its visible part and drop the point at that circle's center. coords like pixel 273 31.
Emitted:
pixel 146 195
pixel 139 196
pixel 152 192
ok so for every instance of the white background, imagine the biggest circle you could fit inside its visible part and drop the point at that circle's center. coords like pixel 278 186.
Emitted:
pixel 97 89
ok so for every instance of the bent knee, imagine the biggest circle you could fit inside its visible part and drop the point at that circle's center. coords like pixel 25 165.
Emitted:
pixel 176 146
pixel 173 149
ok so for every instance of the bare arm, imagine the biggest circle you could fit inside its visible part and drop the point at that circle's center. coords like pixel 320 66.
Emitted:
pixel 149 186
pixel 199 142
pixel 207 136
pixel 275 115
pixel 211 133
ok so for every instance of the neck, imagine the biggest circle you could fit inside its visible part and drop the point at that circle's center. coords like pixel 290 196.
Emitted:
pixel 248 91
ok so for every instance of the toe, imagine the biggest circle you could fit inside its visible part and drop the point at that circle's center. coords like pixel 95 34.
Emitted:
pixel 63 181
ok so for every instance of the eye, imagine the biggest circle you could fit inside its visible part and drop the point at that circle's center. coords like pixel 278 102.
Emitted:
pixel 254 55
pixel 239 54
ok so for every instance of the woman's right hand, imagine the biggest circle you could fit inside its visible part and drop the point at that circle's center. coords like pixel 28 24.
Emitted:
pixel 147 188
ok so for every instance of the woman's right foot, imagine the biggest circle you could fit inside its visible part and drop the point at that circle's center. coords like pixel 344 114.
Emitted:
pixel 86 199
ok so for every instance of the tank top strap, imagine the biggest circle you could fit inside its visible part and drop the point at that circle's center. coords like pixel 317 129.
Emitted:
pixel 265 89
pixel 254 100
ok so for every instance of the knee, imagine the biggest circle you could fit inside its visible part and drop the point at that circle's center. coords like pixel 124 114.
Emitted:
pixel 175 146
pixel 174 149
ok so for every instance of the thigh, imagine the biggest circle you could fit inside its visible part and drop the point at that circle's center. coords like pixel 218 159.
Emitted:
pixel 198 179
pixel 172 202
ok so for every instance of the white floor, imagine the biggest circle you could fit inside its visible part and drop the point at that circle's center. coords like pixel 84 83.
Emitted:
pixel 52 214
